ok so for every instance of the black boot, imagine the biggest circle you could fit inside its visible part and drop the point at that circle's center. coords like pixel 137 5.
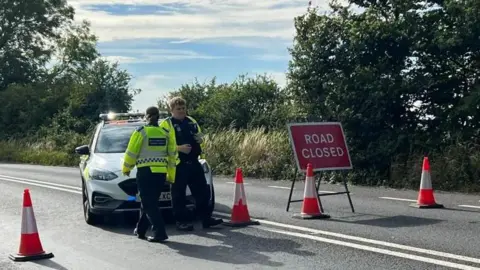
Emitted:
pixel 157 239
pixel 140 236
pixel 210 222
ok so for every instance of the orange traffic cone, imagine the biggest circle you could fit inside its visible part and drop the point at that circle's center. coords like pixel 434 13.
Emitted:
pixel 426 199
pixel 240 216
pixel 311 202
pixel 30 245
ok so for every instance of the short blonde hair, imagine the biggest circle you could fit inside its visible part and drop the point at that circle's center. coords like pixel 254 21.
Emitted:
pixel 176 101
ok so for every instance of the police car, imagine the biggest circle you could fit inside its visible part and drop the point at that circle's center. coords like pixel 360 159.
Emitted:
pixel 105 190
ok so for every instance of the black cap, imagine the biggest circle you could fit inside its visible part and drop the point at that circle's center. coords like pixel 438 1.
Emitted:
pixel 152 111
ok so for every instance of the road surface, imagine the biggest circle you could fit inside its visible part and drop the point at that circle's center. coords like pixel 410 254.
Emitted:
pixel 383 233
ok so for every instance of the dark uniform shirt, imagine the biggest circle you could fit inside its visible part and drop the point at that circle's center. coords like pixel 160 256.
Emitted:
pixel 184 131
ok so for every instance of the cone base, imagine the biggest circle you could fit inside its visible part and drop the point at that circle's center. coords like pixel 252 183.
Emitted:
pixel 435 205
pixel 311 216
pixel 24 258
pixel 241 224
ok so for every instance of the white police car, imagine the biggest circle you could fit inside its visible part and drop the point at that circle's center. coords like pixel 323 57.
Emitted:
pixel 105 190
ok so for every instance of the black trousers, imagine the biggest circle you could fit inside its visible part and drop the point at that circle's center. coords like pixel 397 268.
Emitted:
pixel 190 174
pixel 150 185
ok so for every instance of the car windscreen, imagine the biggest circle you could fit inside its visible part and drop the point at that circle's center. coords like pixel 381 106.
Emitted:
pixel 114 138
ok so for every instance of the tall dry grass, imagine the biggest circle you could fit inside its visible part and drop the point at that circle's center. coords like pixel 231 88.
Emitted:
pixel 258 153
pixel 265 154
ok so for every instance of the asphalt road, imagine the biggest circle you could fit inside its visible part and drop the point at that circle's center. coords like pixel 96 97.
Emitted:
pixel 383 233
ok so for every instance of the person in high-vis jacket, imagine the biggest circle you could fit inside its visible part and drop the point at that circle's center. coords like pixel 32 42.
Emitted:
pixel 153 150
pixel 190 172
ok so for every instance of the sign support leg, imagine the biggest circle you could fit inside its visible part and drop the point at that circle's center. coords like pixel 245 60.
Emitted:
pixel 291 189
pixel 347 191
pixel 318 188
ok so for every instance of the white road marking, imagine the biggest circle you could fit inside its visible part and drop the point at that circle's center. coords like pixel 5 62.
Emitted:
pixel 35 181
pixel 398 199
pixel 317 238
pixel 288 188
pixel 365 240
pixel 47 185
pixel 470 206
pixel 234 183
pixel 372 249
pixel 328 191
pixel 281 187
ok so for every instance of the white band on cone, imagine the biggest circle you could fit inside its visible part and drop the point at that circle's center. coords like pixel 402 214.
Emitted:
pixel 309 188
pixel 29 224
pixel 240 194
pixel 426 181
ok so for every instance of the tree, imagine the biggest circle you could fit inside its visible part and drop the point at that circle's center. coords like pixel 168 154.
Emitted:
pixel 246 102
pixel 28 30
pixel 195 94
pixel 368 69
pixel 69 96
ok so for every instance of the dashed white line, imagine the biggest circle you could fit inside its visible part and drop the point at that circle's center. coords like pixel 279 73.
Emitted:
pixel 234 183
pixel 397 199
pixel 288 188
pixel 47 185
pixel 39 182
pixel 280 187
pixel 410 200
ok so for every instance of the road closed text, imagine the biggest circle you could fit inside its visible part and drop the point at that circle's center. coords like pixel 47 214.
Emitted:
pixel 318 147
pixel 321 144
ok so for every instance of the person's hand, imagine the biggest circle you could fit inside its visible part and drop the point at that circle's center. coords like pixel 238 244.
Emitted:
pixel 126 173
pixel 185 148
pixel 198 137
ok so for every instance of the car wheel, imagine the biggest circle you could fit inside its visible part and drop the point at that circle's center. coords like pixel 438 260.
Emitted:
pixel 90 217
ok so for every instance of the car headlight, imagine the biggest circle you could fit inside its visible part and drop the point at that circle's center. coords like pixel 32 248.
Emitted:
pixel 101 174
pixel 206 168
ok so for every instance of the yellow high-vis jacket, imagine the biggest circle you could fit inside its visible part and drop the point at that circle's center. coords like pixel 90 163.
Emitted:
pixel 154 147
pixel 167 124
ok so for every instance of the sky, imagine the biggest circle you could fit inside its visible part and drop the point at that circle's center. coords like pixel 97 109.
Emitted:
pixel 164 43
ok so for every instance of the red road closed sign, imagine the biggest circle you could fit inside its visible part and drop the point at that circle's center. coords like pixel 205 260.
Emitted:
pixel 322 144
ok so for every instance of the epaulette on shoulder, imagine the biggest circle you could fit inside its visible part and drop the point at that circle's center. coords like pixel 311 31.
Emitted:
pixel 140 128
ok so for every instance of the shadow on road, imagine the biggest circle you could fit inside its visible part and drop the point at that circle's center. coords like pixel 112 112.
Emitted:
pixel 50 264
pixel 232 245
pixel 125 224
pixel 388 221
pixel 239 247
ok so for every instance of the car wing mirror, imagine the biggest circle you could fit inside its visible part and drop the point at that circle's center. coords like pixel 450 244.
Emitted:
pixel 82 150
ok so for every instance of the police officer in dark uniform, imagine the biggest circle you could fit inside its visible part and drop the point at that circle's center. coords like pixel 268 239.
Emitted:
pixel 189 170
pixel 153 151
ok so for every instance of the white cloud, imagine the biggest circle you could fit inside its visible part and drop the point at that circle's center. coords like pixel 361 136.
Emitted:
pixel 279 77
pixel 152 55
pixel 272 57
pixel 181 41
pixel 153 86
pixel 120 59
pixel 198 20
